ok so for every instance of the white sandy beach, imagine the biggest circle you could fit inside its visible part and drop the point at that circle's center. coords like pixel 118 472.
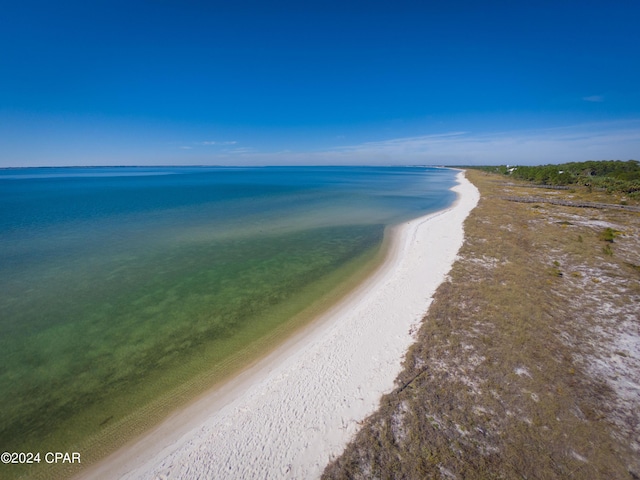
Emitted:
pixel 287 416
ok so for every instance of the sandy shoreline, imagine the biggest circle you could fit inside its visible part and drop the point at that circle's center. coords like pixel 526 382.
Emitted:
pixel 289 414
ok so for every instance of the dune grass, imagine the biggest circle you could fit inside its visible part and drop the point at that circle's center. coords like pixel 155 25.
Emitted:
pixel 527 364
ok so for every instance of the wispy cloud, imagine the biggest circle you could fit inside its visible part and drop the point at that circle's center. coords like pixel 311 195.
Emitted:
pixel 606 140
pixel 224 145
pixel 209 142
pixel 242 150
pixel 594 98
pixel 577 142
pixel 423 144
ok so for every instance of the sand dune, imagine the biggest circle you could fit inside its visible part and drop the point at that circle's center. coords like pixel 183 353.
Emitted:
pixel 288 415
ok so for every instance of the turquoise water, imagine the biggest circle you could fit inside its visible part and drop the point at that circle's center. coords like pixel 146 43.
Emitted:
pixel 114 279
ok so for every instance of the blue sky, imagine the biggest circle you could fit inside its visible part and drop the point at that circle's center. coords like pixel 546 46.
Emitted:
pixel 279 82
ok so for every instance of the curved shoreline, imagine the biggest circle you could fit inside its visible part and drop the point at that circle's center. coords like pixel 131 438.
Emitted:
pixel 290 413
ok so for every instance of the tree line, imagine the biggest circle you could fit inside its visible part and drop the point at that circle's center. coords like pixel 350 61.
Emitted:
pixel 610 175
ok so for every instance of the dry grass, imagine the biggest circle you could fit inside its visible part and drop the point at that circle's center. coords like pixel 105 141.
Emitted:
pixel 528 362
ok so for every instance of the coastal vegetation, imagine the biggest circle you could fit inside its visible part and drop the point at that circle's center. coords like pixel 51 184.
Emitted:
pixel 527 364
pixel 611 176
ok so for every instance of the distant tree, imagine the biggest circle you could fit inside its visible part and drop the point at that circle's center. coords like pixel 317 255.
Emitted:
pixel 609 175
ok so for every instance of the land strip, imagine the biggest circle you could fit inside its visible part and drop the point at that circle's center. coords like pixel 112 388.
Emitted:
pixel 527 364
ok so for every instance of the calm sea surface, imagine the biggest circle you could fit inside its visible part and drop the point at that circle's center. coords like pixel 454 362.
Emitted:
pixel 117 284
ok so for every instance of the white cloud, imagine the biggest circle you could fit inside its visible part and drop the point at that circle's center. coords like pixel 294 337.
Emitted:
pixel 553 145
pixel 418 144
pixel 240 151
pixel 216 143
pixel 619 140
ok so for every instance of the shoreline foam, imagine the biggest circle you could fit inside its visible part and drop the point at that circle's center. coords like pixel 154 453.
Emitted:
pixel 287 416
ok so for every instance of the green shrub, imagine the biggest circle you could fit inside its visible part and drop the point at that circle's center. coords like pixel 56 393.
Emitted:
pixel 609 234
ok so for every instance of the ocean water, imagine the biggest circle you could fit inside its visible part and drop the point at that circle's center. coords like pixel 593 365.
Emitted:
pixel 119 285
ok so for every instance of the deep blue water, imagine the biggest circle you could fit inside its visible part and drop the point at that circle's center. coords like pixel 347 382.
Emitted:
pixel 36 198
pixel 47 212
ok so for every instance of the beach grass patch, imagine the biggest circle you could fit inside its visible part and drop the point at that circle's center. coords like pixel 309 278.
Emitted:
pixel 463 398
